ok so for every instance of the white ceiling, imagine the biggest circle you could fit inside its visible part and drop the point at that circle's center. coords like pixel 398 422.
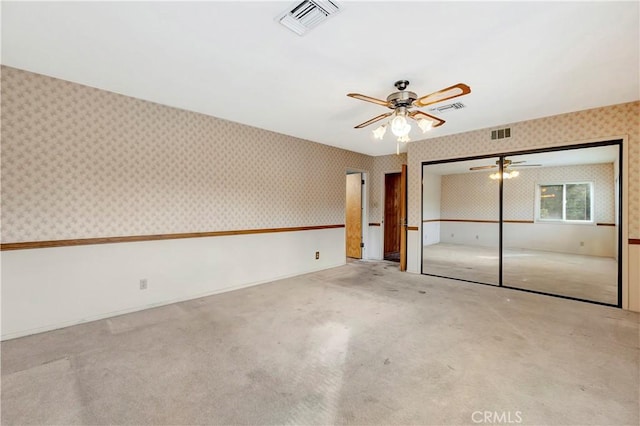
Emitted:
pixel 573 157
pixel 232 60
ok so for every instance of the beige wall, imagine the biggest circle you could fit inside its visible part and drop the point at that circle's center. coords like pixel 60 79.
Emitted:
pixel 78 162
pixel 613 122
pixel 475 196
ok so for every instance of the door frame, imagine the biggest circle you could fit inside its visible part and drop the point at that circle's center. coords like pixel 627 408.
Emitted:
pixel 365 211
pixel 622 144
pixel 404 213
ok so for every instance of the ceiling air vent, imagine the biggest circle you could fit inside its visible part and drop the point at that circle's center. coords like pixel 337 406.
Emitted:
pixel 449 107
pixel 308 14
pixel 501 133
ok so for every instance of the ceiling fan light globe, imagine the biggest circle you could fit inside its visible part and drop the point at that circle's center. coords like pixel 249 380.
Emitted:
pixel 399 126
pixel 425 125
pixel 404 139
pixel 378 133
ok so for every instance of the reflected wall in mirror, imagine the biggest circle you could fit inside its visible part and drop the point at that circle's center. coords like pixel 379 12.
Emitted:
pixel 560 223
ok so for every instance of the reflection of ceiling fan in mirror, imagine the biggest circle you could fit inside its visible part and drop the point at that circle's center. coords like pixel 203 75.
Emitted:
pixel 402 103
pixel 508 169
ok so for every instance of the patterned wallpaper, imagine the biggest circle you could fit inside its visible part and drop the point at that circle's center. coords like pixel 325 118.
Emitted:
pixel 475 196
pixel 469 196
pixel 566 129
pixel 79 162
pixel 381 165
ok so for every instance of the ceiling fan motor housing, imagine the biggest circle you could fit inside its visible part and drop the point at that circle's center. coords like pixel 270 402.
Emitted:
pixel 404 98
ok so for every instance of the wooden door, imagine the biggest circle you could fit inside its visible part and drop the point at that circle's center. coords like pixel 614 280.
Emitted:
pixel 354 215
pixel 403 215
pixel 392 218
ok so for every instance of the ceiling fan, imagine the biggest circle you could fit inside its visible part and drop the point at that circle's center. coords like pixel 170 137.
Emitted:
pixel 508 167
pixel 402 103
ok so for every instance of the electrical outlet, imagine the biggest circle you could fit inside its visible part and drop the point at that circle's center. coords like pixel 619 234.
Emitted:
pixel 317 255
pixel 143 284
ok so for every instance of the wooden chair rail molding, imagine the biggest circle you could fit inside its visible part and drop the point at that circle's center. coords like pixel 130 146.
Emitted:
pixel 476 221
pixel 634 241
pixel 136 238
pixel 496 221
pixel 374 224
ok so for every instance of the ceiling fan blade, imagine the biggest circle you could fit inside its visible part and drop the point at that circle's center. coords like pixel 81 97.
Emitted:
pixel 483 167
pixel 442 95
pixel 517 166
pixel 417 115
pixel 373 120
pixel 516 162
pixel 368 99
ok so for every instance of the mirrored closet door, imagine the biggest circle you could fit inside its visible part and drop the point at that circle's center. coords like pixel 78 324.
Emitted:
pixel 541 221
pixel 460 220
pixel 560 223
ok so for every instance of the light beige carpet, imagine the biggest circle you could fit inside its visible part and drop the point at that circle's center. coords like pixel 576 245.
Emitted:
pixel 361 344
pixel 584 277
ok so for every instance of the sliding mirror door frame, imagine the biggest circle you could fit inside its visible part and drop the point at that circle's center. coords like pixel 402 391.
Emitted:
pixel 502 156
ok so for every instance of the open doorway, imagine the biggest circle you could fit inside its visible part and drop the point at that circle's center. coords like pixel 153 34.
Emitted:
pixel 395 218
